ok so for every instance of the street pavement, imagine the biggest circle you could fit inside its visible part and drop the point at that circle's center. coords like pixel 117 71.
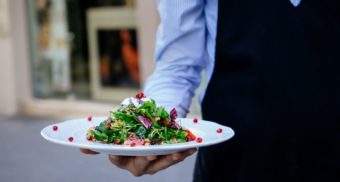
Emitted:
pixel 26 157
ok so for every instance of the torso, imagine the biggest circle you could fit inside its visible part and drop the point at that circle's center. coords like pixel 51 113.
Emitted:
pixel 276 82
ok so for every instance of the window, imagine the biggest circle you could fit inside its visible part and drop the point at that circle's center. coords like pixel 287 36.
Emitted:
pixel 84 49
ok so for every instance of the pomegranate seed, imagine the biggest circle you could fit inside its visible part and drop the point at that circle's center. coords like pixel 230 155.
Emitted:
pixel 219 130
pixel 133 144
pixel 89 118
pixel 89 138
pixel 70 139
pixel 199 140
pixel 195 120
pixel 55 128
pixel 140 95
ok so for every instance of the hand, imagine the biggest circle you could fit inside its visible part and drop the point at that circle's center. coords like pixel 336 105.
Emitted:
pixel 140 165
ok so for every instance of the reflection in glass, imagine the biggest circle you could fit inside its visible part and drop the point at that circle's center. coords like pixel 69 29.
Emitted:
pixel 60 55
pixel 118 58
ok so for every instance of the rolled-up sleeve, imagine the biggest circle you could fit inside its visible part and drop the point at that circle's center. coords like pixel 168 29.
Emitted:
pixel 180 50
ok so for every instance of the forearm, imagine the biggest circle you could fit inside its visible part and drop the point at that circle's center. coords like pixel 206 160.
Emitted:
pixel 179 54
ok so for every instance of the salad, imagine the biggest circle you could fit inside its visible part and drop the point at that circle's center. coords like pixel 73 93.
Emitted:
pixel 139 121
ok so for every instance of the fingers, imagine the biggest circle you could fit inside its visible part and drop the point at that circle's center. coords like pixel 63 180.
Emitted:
pixel 151 157
pixel 140 165
pixel 135 164
pixel 87 151
pixel 168 160
pixel 120 161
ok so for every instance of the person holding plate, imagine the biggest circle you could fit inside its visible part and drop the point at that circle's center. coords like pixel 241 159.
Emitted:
pixel 274 77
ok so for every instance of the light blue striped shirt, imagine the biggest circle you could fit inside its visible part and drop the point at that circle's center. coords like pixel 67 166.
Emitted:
pixel 185 46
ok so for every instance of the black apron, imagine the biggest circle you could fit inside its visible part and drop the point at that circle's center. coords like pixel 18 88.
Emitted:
pixel 276 82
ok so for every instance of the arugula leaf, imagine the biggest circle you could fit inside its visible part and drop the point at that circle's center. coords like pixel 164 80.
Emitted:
pixel 149 106
pixel 101 126
pixel 141 131
pixel 108 132
pixel 128 119
pixel 98 135
pixel 181 134
pixel 161 112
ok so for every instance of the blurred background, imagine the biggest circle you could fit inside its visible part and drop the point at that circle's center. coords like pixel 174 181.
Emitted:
pixel 63 59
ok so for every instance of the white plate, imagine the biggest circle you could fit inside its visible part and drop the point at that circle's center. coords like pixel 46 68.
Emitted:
pixel 77 129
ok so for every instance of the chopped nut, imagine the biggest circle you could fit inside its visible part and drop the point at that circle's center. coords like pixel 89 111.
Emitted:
pixel 146 141
pixel 117 141
pixel 165 122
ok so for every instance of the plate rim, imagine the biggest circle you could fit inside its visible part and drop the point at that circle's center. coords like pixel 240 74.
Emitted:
pixel 126 148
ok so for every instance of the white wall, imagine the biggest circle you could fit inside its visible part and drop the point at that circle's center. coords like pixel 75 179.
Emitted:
pixel 21 56
pixel 148 20
pixel 8 104
pixel 14 85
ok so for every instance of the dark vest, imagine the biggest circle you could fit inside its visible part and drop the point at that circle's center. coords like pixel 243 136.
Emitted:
pixel 276 82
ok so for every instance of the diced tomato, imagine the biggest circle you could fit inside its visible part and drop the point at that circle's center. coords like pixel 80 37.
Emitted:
pixel 190 136
pixel 90 138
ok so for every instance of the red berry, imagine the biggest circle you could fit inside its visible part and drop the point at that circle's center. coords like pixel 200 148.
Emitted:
pixel 70 139
pixel 89 118
pixel 195 120
pixel 55 128
pixel 89 138
pixel 219 130
pixel 199 140
pixel 133 144
pixel 140 95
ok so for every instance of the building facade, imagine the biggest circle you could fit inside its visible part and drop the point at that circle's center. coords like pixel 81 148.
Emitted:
pixel 73 57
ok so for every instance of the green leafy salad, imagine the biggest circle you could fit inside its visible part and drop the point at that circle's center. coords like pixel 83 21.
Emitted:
pixel 139 121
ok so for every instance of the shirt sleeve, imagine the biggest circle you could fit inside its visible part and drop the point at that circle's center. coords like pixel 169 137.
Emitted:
pixel 180 50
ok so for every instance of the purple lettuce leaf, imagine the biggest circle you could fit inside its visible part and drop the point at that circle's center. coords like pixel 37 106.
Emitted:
pixel 175 125
pixel 145 121
pixel 173 114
